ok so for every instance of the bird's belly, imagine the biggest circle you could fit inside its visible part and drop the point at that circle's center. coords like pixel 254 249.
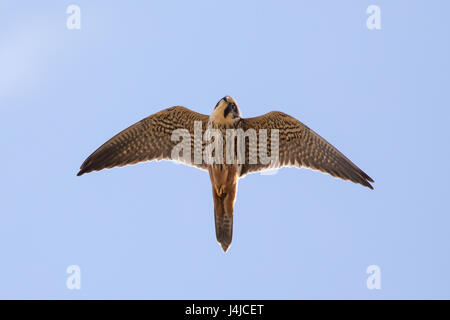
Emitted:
pixel 223 175
pixel 225 168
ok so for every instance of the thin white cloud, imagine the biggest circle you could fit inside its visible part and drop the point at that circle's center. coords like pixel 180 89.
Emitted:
pixel 26 46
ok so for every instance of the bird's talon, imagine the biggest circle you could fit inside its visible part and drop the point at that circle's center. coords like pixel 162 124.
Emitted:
pixel 220 190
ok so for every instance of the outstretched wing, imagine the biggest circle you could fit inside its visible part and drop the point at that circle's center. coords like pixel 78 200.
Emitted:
pixel 301 147
pixel 146 140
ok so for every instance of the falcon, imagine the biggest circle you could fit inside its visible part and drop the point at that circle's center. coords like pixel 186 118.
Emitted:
pixel 289 142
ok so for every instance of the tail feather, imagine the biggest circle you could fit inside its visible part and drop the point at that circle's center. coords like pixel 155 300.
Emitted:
pixel 224 188
pixel 224 230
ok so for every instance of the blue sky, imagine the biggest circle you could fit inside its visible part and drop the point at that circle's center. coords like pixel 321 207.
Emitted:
pixel 147 231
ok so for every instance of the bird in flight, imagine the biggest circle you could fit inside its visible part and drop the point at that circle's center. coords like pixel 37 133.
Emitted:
pixel 288 141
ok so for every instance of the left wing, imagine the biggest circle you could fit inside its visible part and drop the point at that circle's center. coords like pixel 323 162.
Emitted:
pixel 146 140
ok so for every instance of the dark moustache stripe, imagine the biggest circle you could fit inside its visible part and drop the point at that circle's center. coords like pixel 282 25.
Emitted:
pixel 228 109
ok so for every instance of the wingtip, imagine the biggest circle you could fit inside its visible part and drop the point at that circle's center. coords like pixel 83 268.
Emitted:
pixel 366 180
pixel 367 184
pixel 85 168
pixel 369 179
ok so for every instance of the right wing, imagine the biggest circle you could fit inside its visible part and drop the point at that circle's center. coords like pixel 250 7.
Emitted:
pixel 300 146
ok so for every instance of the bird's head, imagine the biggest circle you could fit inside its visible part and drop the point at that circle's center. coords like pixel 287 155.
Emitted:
pixel 226 111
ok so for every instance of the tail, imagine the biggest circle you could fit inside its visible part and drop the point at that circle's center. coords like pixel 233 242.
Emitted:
pixel 224 188
pixel 224 227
